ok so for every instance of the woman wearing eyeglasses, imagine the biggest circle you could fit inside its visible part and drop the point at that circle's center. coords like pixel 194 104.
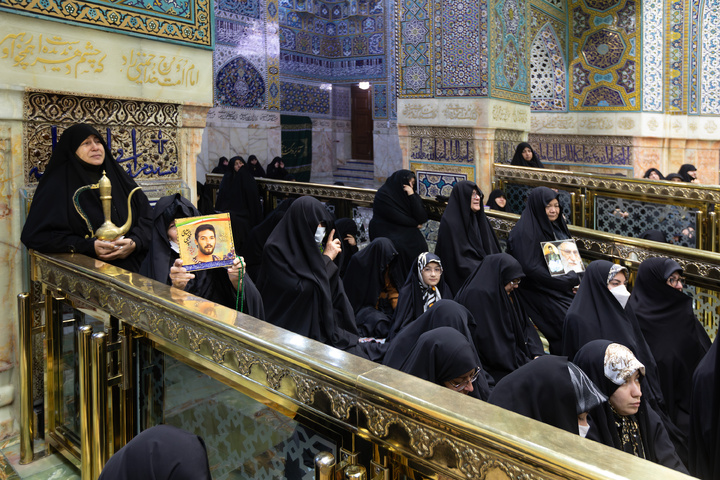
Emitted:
pixel 445 356
pixel 677 340
pixel 465 235
pixel 505 337
pixel 547 297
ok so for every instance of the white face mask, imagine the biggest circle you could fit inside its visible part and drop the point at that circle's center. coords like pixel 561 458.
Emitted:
pixel 175 246
pixel 621 294
pixel 319 235
pixel 583 430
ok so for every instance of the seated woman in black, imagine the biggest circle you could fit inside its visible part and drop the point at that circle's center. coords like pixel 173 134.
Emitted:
pixel 423 287
pixel 255 168
pixel 299 282
pixel 545 297
pixel 504 336
pixel 445 357
pixel 398 214
pixel 525 156
pixel 497 201
pixel 465 235
pixel 218 285
pixel 222 166
pixel 276 169
pixel 238 194
pixel 676 339
pixel 375 278
pixel 653 174
pixel 626 421
pixel 551 390
pixel 54 225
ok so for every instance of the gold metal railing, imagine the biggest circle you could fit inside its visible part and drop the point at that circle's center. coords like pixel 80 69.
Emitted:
pixel 587 188
pixel 384 422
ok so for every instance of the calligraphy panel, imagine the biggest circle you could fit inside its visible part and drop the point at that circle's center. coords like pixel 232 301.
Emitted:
pixel 142 136
pixel 179 21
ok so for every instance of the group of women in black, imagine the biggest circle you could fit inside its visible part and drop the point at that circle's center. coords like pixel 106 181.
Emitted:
pixel 275 169
pixel 464 317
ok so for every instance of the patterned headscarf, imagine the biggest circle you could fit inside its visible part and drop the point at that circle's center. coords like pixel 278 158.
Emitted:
pixel 614 270
pixel 430 294
pixel 621 364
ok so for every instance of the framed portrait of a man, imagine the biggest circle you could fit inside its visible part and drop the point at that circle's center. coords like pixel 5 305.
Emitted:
pixel 562 256
pixel 206 242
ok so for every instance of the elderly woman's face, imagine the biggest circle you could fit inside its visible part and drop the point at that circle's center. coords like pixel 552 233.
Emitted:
pixel 475 204
pixel 91 151
pixel 552 210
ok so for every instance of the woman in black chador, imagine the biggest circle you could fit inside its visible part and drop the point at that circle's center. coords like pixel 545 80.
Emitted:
pixel 374 277
pixel 398 214
pixel 276 169
pixel 465 235
pixel 600 312
pixel 445 356
pixel 218 285
pixel 255 168
pixel 347 232
pixel 625 421
pixel 704 445
pixel 423 287
pixel 238 194
pixel 551 390
pixel 504 336
pixel 676 339
pixel 258 236
pixel 54 225
pixel 162 452
pixel 300 284
pixel 525 156
pixel 546 298
pixel 497 201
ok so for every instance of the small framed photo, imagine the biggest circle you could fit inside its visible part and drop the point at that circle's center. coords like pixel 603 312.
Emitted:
pixel 562 256
pixel 205 242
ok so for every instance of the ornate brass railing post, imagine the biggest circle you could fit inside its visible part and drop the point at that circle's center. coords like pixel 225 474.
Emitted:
pixel 324 466
pixel 27 432
pixel 86 420
pixel 99 386
pixel 700 237
pixel 713 223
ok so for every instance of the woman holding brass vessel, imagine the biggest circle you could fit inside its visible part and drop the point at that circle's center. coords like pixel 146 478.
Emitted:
pixel 67 218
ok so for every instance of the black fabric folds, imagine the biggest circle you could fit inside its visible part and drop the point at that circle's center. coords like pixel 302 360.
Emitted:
pixel 160 256
pixel 238 194
pixel 504 336
pixel 410 299
pixel 519 161
pixel 365 277
pixel 301 288
pixel 343 228
pixel 655 440
pixel 704 461
pixel 441 355
pixel 546 298
pixel 542 390
pixel 676 339
pixel 162 452
pixel 258 236
pixel 683 172
pixel 275 171
pixel 255 168
pixel 445 313
pixel 222 166
pixel 492 200
pixel 215 285
pixel 396 215
pixel 464 237
pixel 54 226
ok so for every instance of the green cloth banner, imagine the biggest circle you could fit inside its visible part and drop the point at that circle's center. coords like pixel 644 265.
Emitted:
pixel 296 140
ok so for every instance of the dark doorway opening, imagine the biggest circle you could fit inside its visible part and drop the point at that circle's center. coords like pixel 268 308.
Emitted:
pixel 361 124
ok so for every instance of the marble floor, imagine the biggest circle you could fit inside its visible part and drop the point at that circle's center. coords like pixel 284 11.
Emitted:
pixel 49 467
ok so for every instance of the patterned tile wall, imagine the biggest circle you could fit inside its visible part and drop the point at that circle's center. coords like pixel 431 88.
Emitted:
pixel 605 50
pixel 442 144
pixel 652 62
pixel 548 74
pixel 505 143
pixel 304 98
pixel 710 65
pixel 509 37
pixel 676 56
pixel 578 150
pixel 333 41
pixel 341 101
pixel 179 21
pixel 380 100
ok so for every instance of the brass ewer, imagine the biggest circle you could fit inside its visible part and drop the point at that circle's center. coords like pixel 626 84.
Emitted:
pixel 108 231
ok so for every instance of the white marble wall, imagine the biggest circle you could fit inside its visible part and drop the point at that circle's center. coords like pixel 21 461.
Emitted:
pixel 324 153
pixel 231 132
pixel 388 154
